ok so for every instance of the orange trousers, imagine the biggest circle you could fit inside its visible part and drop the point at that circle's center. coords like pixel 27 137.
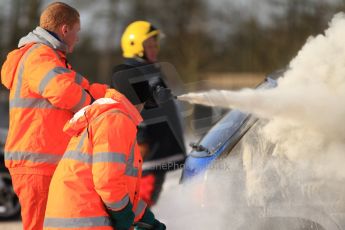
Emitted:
pixel 32 191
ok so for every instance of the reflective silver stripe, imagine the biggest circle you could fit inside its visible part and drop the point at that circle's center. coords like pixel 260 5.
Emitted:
pixel 78 79
pixel 109 157
pixel 31 103
pixel 18 102
pixel 104 114
pixel 50 75
pixel 115 206
pixel 130 169
pixel 77 222
pixel 81 103
pixel 81 141
pixel 34 157
pixel 113 111
pixel 79 156
pixel 131 155
pixel 21 69
pixel 140 208
pixel 119 111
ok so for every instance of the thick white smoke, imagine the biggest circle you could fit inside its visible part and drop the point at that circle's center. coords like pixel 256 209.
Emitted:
pixel 307 109
pixel 303 119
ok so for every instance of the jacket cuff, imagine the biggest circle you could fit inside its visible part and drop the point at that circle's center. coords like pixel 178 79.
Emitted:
pixel 122 219
pixel 148 217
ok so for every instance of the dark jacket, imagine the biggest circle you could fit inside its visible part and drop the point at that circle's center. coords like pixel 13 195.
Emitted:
pixel 161 128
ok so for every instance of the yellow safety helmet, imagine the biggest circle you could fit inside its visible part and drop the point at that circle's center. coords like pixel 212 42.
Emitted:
pixel 134 36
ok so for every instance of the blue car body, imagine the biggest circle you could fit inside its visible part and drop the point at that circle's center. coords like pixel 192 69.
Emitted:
pixel 221 137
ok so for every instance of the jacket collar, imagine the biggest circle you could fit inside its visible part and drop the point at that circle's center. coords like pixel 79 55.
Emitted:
pixel 137 61
pixel 113 100
pixel 40 35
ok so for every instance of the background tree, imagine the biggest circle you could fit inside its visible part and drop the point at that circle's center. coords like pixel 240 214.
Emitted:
pixel 201 35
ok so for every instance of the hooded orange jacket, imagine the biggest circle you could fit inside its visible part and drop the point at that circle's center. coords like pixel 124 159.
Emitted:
pixel 44 94
pixel 101 168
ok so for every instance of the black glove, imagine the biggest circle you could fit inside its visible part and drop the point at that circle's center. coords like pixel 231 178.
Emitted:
pixel 149 222
pixel 159 226
pixel 162 94
pixel 123 219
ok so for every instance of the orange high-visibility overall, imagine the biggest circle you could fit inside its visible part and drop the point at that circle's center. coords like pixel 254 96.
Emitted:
pixel 100 169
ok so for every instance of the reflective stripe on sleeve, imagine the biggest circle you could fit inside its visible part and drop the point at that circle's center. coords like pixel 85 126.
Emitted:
pixel 33 157
pixel 51 75
pixel 78 78
pixel 109 157
pixel 78 156
pixel 140 208
pixel 130 169
pixel 115 206
pixel 21 69
pixel 30 103
pixel 81 102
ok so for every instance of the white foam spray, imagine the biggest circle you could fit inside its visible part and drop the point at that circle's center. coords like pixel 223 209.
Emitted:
pixel 303 119
pixel 307 109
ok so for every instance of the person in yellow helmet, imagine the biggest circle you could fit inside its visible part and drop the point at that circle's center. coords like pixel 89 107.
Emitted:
pixel 161 144
pixel 140 42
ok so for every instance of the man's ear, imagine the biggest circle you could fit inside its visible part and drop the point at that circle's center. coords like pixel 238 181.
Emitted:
pixel 64 29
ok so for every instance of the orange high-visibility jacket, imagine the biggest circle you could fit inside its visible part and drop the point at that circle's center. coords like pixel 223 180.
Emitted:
pixel 44 94
pixel 100 169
